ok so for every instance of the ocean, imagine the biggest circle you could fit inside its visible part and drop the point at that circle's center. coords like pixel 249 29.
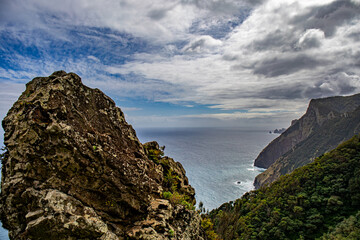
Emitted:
pixel 218 161
pixel 3 233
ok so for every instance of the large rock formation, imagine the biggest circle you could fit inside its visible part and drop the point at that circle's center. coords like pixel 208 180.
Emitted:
pixel 326 123
pixel 74 169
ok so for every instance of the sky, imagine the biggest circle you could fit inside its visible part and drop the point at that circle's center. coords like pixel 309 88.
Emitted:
pixel 188 63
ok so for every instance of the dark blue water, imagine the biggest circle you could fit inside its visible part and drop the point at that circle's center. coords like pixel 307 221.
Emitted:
pixel 218 161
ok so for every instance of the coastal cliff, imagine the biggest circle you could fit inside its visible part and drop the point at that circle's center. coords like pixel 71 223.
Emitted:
pixel 318 201
pixel 326 123
pixel 75 169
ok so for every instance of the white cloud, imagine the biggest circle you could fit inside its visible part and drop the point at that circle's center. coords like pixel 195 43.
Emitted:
pixel 311 38
pixel 158 20
pixel 276 72
pixel 342 83
pixel 93 58
pixel 284 53
pixel 202 44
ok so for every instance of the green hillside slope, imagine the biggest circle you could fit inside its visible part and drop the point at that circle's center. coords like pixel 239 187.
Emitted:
pixel 305 204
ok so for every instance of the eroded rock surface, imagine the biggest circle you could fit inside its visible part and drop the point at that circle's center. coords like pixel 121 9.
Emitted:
pixel 326 123
pixel 74 169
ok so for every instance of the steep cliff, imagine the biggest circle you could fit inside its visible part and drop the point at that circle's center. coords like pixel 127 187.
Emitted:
pixel 74 169
pixel 320 199
pixel 327 122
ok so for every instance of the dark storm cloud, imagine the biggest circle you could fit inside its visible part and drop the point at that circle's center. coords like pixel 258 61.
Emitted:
pixel 220 6
pixel 284 41
pixel 317 91
pixel 158 14
pixel 322 88
pixel 277 40
pixel 357 59
pixel 328 17
pixel 346 89
pixel 195 45
pixel 328 85
pixel 290 91
pixel 275 67
pixel 355 36
pixel 334 85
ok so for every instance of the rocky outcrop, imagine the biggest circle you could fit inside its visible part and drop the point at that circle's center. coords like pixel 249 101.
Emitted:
pixel 279 131
pixel 74 169
pixel 326 123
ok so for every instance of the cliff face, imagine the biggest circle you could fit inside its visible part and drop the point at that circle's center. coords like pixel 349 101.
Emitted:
pixel 309 203
pixel 327 122
pixel 75 169
pixel 319 112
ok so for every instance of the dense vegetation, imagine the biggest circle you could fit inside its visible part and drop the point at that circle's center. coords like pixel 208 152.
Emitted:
pixel 321 199
pixel 347 229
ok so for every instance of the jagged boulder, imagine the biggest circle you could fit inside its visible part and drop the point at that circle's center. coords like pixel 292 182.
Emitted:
pixel 74 169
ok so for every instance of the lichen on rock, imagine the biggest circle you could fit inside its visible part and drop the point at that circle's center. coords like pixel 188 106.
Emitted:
pixel 74 169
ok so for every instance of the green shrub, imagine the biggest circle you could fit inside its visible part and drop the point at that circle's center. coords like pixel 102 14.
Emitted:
pixel 167 195
pixel 177 198
pixel 302 205
pixel 208 227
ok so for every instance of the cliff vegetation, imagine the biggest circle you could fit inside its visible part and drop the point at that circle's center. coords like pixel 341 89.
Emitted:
pixel 319 200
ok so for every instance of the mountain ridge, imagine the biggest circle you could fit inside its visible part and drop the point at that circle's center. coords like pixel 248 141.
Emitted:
pixel 309 136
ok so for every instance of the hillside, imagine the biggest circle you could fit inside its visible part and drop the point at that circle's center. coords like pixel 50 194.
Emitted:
pixel 326 123
pixel 321 199
pixel 74 169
